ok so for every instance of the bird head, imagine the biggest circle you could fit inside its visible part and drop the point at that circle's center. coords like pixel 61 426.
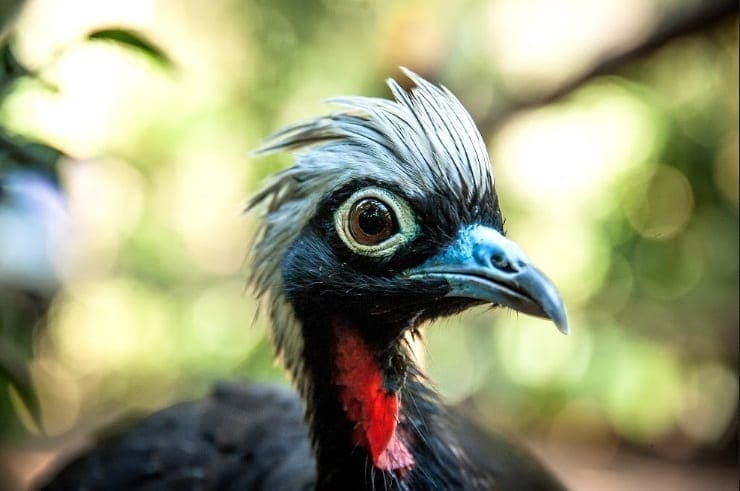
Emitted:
pixel 388 217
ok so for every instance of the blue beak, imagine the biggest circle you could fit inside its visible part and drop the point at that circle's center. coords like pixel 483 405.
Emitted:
pixel 482 264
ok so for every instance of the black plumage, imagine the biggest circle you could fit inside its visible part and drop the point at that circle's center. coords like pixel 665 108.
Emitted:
pixel 253 437
pixel 389 218
pixel 239 437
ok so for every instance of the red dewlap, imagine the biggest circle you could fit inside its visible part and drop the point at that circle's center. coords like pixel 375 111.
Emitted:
pixel 368 404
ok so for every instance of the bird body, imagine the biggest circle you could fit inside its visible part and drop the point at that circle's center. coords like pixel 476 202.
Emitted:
pixel 249 436
pixel 389 218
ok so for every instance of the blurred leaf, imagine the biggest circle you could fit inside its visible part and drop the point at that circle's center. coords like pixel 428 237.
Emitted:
pixel 15 369
pixel 16 151
pixel 133 39
pixel 10 68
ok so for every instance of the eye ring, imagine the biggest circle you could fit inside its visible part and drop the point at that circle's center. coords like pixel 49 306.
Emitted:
pixel 391 219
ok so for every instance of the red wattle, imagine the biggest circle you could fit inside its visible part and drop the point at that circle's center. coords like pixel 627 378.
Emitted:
pixel 367 403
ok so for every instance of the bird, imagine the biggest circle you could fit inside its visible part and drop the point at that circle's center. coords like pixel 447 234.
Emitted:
pixel 387 219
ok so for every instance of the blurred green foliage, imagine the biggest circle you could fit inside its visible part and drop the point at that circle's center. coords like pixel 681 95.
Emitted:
pixel 625 191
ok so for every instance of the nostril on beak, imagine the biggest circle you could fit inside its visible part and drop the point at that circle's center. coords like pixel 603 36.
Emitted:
pixel 504 257
pixel 501 262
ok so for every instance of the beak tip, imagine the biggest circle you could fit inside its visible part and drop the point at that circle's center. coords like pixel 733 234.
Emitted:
pixel 562 325
pixel 553 309
pixel 559 318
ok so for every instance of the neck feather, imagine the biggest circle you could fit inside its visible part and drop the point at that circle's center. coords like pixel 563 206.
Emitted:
pixel 373 421
pixel 370 401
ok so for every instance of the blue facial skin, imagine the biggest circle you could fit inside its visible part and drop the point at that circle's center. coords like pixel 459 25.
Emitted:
pixel 482 264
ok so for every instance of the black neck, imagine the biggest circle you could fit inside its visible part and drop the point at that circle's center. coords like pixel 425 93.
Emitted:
pixel 423 422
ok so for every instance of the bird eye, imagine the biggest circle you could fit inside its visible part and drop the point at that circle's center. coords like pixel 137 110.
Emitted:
pixel 371 221
pixel 375 222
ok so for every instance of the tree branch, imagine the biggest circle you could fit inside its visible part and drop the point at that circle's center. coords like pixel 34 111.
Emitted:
pixel 704 15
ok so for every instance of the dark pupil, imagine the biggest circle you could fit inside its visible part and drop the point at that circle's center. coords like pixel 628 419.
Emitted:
pixel 371 222
pixel 374 218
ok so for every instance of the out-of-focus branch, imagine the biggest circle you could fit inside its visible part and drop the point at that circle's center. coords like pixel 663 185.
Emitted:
pixel 683 22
